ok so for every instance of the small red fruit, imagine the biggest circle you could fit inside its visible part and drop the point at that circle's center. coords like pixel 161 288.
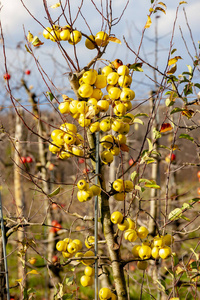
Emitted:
pixel 54 258
pixel 29 159
pixel 27 72
pixel 131 162
pixel 198 191
pixel 58 227
pixel 7 76
pixel 23 160
pixel 51 167
pixel 54 206
pixel 198 174
pixel 81 160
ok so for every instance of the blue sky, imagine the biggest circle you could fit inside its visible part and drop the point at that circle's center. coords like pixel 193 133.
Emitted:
pixel 14 17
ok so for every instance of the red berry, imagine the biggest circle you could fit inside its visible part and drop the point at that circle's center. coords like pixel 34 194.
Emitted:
pixel 54 258
pixel 23 160
pixel 81 160
pixel 58 227
pixel 54 223
pixel 173 157
pixel 29 159
pixel 198 174
pixel 54 206
pixel 85 171
pixel 7 76
pixel 27 72
pixel 51 167
pixel 131 162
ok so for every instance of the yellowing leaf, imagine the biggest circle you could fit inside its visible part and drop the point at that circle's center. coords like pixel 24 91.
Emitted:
pixel 179 270
pixel 166 127
pixel 148 23
pixel 18 280
pixel 160 9
pixel 124 147
pixel 36 42
pixel 173 60
pixel 33 272
pixel 163 4
pixel 172 70
pixel 114 40
pixel 55 192
pixel 29 37
pixel 55 5
pixel 182 2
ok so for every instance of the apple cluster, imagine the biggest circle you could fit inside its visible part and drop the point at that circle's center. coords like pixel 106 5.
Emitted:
pixel 86 193
pixel 88 278
pixel 90 111
pixel 58 33
pixel 122 187
pixel 158 247
pixel 66 141
pixel 69 247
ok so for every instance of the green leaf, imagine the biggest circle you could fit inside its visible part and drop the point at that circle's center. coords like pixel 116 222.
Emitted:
pixel 156 134
pixel 150 144
pixel 185 218
pixel 144 180
pixel 136 67
pixel 139 188
pixel 175 110
pixel 150 160
pixel 55 192
pixel 136 120
pixel 186 136
pixel 134 175
pixel 194 200
pixel 197 85
pixel 174 50
pixel 186 206
pixel 175 214
pixel 51 96
pixel 69 281
pixel 195 254
pixel 141 115
pixel 152 185
pixel 27 49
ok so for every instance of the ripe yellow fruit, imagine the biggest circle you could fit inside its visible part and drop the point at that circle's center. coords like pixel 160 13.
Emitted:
pixel 128 186
pixel 89 271
pixel 107 141
pixel 121 139
pixel 105 293
pixel 83 196
pixel 83 122
pixel 89 42
pixel 77 151
pixel 158 241
pixel 100 82
pixel 46 33
pixel 64 107
pixel 114 93
pixel 66 254
pixel 73 106
pixel 101 39
pixel 64 155
pixel 89 242
pixel 78 244
pixel 89 77
pixel 131 223
pixel 65 34
pixel 142 232
pixel 127 94
pixel 72 247
pixel 106 70
pixel 123 70
pixel 96 190
pixel 118 185
pixel 168 239
pixel 115 151
pixel 116 217
pixel 97 94
pixel 112 78
pixel 68 127
pixel 142 265
pixel 124 81
pixel 119 110
pixel 85 90
pixel 155 252
pixel 103 105
pixel 106 157
pixel 130 235
pixel 165 252
pixel 120 196
pixel 54 149
pixel 61 246
pixel 124 129
pixel 75 37
pixel 83 185
pixel 123 226
pixel 88 261
pixel 105 125
pixel 69 138
pixel 117 125
pixel 144 252
pixel 86 280
pixel 94 127
pixel 82 107
pixel 135 250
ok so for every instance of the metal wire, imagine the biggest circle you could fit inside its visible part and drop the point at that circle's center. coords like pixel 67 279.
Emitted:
pixel 4 250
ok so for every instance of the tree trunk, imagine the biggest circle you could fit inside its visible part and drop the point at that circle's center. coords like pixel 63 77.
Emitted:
pixel 19 199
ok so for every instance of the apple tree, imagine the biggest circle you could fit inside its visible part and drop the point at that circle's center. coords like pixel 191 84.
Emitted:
pixel 93 128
